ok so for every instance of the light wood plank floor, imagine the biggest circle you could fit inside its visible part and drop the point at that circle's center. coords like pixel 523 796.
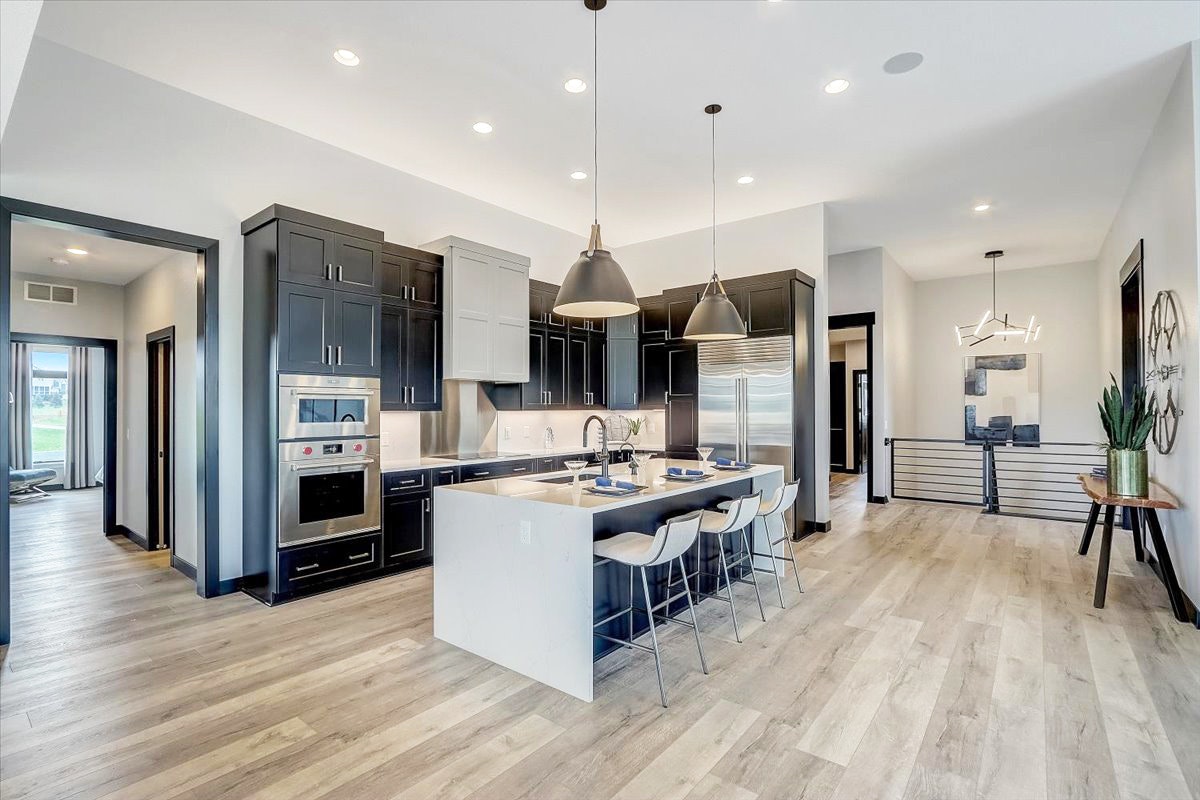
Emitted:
pixel 935 653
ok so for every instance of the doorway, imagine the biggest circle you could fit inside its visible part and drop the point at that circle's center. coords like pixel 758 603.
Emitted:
pixel 861 412
pixel 852 393
pixel 160 439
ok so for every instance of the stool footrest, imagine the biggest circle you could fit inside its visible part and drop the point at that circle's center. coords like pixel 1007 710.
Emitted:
pixel 625 643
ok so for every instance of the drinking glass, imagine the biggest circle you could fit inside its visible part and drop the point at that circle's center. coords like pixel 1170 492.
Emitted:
pixel 704 452
pixel 576 466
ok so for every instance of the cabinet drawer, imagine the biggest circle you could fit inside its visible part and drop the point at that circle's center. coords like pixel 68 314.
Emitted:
pixel 328 561
pixel 480 472
pixel 547 464
pixel 401 482
pixel 444 476
pixel 519 467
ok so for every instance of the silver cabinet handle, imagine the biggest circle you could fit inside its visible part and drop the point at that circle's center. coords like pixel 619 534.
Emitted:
pixel 665 394
pixel 359 556
pixel 328 355
pixel 482 473
pixel 306 569
pixel 329 272
pixel 635 398
pixel 405 293
pixel 412 295
pixel 339 273
pixel 339 355
pixel 427 505
pixel 520 469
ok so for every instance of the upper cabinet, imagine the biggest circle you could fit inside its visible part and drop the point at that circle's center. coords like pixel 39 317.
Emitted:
pixel 541 306
pixel 411 277
pixel 485 297
pixel 312 256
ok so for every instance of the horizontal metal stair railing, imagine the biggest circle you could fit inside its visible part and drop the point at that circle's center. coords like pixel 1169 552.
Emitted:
pixel 1034 479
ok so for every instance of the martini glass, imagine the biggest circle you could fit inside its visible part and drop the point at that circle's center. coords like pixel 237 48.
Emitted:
pixel 576 466
pixel 704 452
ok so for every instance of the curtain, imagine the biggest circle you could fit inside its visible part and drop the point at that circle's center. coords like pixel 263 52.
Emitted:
pixel 79 473
pixel 20 439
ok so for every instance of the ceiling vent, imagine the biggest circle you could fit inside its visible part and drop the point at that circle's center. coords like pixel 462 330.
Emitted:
pixel 49 293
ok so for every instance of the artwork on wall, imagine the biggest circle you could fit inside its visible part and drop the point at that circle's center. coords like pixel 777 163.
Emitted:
pixel 1003 398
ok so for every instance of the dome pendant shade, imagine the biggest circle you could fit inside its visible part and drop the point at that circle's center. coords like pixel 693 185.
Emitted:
pixel 713 319
pixel 595 285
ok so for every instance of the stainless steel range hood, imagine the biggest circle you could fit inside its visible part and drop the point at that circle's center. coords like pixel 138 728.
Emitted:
pixel 466 423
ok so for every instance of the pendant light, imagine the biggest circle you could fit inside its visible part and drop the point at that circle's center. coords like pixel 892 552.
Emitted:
pixel 715 317
pixel 595 285
pixel 975 333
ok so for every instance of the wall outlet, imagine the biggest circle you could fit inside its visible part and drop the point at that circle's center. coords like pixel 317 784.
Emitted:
pixel 507 433
pixel 385 439
pixel 526 431
pixel 526 532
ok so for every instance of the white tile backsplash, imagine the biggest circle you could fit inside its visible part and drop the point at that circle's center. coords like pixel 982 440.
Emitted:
pixel 399 435
pixel 526 429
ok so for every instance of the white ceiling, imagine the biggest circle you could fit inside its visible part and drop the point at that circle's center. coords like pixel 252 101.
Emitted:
pixel 1040 108
pixel 35 247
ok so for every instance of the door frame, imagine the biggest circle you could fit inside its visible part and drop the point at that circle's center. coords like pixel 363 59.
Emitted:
pixel 208 583
pixel 866 320
pixel 154 339
pixel 856 409
pixel 109 346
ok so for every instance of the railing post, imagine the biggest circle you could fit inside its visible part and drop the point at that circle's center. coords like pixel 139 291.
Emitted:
pixel 887 442
pixel 989 475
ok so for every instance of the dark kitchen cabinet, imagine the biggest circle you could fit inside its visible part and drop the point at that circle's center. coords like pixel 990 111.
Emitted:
pixel 338 561
pixel 541 306
pixel 653 316
pixel 679 311
pixel 412 278
pixel 356 342
pixel 316 257
pixel 682 426
pixel 444 476
pixel 411 375
pixel 766 308
pixel 654 378
pixel 580 325
pixel 496 469
pixel 683 371
pixel 625 327
pixel 586 367
pixel 621 388
pixel 306 322
pixel 547 386
pixel 407 529
pixel 597 371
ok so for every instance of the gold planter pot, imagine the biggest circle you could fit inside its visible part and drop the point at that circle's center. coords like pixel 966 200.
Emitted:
pixel 1128 475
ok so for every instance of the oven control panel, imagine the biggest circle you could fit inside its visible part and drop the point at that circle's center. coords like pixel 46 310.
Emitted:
pixel 329 449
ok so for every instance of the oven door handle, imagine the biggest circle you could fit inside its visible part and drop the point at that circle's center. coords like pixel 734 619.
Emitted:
pixel 317 392
pixel 333 464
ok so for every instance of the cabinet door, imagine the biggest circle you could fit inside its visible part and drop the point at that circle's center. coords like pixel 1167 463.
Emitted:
pixel 306 322
pixel 683 372
pixel 679 311
pixel 681 437
pixel 577 371
pixel 424 283
pixel 768 310
pixel 393 340
pixel 470 348
pixel 653 365
pixel 423 360
pixel 597 370
pixel 356 265
pixel 539 307
pixel 654 318
pixel 407 532
pixel 625 327
pixel 533 391
pixel 622 386
pixel 357 348
pixel 510 322
pixel 306 255
pixel 556 370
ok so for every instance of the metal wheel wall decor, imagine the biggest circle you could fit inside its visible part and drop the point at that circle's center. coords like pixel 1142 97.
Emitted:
pixel 1163 343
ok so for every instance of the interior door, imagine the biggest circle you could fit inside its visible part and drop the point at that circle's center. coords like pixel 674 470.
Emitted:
pixel 837 415
pixel 160 444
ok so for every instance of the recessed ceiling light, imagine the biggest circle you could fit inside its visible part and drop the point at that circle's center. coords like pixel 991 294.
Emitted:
pixel 575 85
pixel 983 207
pixel 903 62
pixel 481 127
pixel 77 251
pixel 346 58
pixel 837 86
pixel 578 175
pixel 746 179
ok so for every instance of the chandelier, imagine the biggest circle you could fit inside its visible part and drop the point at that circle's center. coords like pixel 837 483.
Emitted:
pixel 990 324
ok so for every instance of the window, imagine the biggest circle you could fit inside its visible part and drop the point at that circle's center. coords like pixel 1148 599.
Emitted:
pixel 48 404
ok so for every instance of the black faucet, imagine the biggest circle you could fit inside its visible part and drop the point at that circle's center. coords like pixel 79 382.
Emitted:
pixel 603 441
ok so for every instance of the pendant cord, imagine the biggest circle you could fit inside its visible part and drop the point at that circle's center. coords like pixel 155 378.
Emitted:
pixel 596 117
pixel 714 195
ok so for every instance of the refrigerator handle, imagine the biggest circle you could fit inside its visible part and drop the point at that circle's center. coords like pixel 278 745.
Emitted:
pixel 740 407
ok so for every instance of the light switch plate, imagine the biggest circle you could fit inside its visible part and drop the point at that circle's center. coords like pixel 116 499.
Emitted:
pixel 507 433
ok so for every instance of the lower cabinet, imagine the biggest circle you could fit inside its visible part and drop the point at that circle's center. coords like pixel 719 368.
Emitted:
pixel 311 567
pixel 408 530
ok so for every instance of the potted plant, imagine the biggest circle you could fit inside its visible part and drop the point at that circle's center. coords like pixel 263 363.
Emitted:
pixel 635 430
pixel 1127 425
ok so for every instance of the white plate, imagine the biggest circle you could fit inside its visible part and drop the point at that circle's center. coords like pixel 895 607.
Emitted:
pixel 731 467
pixel 686 478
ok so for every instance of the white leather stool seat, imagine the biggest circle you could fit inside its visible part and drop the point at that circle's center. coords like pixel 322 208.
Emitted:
pixel 635 549
pixel 713 521
pixel 764 507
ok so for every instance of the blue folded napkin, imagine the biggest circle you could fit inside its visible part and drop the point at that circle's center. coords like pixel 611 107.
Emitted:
pixel 603 481
pixel 678 471
pixel 725 462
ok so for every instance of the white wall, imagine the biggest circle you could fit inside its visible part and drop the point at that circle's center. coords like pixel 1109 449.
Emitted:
pixel 1160 206
pixel 568 429
pixel 1063 298
pixel 98 310
pixel 18 20
pixel 792 239
pixel 159 156
pixel 163 297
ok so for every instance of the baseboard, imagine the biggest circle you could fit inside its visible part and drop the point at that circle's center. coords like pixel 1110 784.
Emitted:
pixel 878 498
pixel 133 536
pixel 817 527
pixel 183 566
pixel 228 586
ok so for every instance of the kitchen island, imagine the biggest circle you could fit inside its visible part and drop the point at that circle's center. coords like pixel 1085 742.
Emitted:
pixel 514 579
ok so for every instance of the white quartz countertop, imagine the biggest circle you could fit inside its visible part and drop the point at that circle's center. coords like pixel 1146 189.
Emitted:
pixel 433 462
pixel 565 494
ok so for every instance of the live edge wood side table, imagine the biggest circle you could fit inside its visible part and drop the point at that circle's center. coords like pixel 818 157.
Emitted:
pixel 1140 509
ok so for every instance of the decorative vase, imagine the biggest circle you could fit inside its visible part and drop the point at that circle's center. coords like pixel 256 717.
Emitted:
pixel 1128 475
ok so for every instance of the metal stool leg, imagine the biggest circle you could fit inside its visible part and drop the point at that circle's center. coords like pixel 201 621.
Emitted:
pixel 687 591
pixel 728 586
pixel 662 689
pixel 775 563
pixel 631 602
pixel 791 551
pixel 753 577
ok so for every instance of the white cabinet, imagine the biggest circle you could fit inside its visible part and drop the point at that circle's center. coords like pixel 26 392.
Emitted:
pixel 485 312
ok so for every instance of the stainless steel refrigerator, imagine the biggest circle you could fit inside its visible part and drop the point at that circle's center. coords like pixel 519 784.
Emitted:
pixel 747 408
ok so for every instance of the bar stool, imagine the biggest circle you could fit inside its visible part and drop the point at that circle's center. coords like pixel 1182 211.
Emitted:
pixel 738 515
pixel 640 550
pixel 770 511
